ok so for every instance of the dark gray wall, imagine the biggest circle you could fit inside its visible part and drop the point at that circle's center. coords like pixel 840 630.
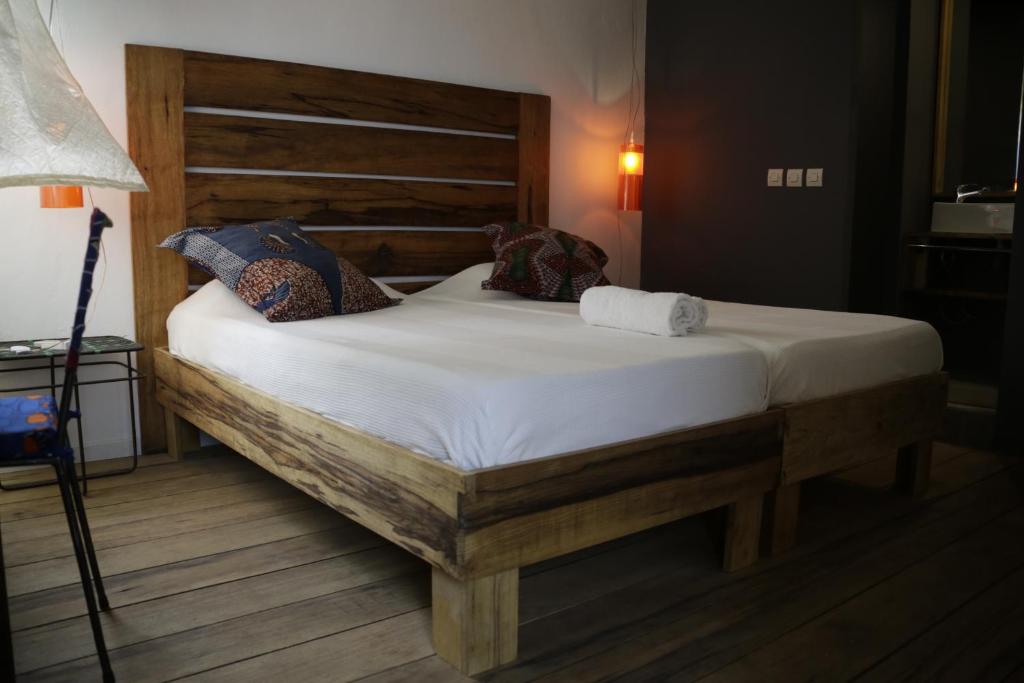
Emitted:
pixel 1010 417
pixel 880 99
pixel 919 135
pixel 731 93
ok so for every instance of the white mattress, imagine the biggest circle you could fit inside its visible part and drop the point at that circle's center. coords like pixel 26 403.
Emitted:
pixel 812 354
pixel 481 378
pixel 478 381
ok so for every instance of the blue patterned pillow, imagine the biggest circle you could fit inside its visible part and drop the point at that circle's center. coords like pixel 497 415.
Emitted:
pixel 279 270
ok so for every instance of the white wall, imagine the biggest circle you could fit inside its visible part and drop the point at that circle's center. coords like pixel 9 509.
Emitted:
pixel 576 51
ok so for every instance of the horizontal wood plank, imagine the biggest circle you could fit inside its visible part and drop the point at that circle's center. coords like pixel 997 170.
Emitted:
pixel 178 612
pixel 273 144
pixel 28 578
pixel 111 535
pixel 842 431
pixel 380 253
pixel 408 498
pixel 213 80
pixel 499 493
pixel 227 566
pixel 225 198
pixel 528 538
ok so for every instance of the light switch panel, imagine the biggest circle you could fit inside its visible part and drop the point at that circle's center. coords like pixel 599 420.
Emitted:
pixel 814 177
pixel 794 177
pixel 774 177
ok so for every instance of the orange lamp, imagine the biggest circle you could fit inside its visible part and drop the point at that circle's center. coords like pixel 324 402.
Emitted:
pixel 60 197
pixel 631 176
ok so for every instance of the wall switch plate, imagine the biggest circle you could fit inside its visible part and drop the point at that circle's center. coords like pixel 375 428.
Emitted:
pixel 814 177
pixel 794 177
pixel 774 177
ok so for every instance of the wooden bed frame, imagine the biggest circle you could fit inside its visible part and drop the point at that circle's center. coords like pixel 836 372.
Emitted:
pixel 488 162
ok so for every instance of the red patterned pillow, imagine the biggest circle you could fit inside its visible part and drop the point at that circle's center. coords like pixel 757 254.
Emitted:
pixel 543 263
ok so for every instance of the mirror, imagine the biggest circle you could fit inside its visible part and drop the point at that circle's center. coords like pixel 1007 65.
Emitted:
pixel 980 95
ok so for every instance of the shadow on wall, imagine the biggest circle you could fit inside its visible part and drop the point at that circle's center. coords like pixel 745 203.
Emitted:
pixel 600 73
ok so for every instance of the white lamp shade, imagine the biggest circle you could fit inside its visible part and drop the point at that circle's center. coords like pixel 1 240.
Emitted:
pixel 49 132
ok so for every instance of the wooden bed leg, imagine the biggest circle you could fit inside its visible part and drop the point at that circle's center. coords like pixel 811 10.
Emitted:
pixel 743 533
pixel 182 437
pixel 913 468
pixel 782 512
pixel 476 621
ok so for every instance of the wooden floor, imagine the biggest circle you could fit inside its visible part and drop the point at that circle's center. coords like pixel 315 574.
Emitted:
pixel 219 572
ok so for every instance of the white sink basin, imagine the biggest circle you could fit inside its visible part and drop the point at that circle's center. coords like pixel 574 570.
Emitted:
pixel 975 218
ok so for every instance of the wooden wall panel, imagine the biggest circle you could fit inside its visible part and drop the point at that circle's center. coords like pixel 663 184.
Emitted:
pixel 155 84
pixel 262 85
pixel 216 199
pixel 380 253
pixel 534 140
pixel 275 144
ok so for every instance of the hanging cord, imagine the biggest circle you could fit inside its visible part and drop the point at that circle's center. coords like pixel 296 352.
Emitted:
pixel 622 256
pixel 633 105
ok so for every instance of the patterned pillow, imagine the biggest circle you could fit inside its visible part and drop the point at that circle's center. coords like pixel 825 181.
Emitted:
pixel 279 270
pixel 543 263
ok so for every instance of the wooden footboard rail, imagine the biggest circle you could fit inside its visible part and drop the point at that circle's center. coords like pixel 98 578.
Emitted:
pixel 478 528
pixel 831 434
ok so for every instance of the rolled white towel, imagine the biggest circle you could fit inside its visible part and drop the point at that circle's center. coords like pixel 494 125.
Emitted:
pixel 663 313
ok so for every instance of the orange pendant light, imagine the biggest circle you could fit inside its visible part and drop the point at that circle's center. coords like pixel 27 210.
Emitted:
pixel 631 176
pixel 60 197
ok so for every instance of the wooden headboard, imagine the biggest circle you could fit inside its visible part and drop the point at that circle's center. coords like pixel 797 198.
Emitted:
pixel 370 162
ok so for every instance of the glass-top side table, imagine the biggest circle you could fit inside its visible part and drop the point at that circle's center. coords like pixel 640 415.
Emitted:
pixel 47 356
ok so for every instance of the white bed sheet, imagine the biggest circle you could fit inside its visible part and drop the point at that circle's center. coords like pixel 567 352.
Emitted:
pixel 810 354
pixel 480 381
pixel 813 354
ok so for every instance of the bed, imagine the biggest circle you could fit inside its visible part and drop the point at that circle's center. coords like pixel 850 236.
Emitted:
pixel 229 139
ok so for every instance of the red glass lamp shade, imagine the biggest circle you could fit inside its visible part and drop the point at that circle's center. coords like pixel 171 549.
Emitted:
pixel 631 176
pixel 60 197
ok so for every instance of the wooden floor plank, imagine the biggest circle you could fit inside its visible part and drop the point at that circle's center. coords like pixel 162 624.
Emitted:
pixel 44 473
pixel 62 571
pixel 430 669
pixel 130 588
pixel 124 533
pixel 124 515
pixel 683 619
pixel 846 640
pixel 344 656
pixel 71 639
pixel 877 556
pixel 197 463
pixel 204 587
pixel 285 630
pixel 147 491
pixel 983 640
